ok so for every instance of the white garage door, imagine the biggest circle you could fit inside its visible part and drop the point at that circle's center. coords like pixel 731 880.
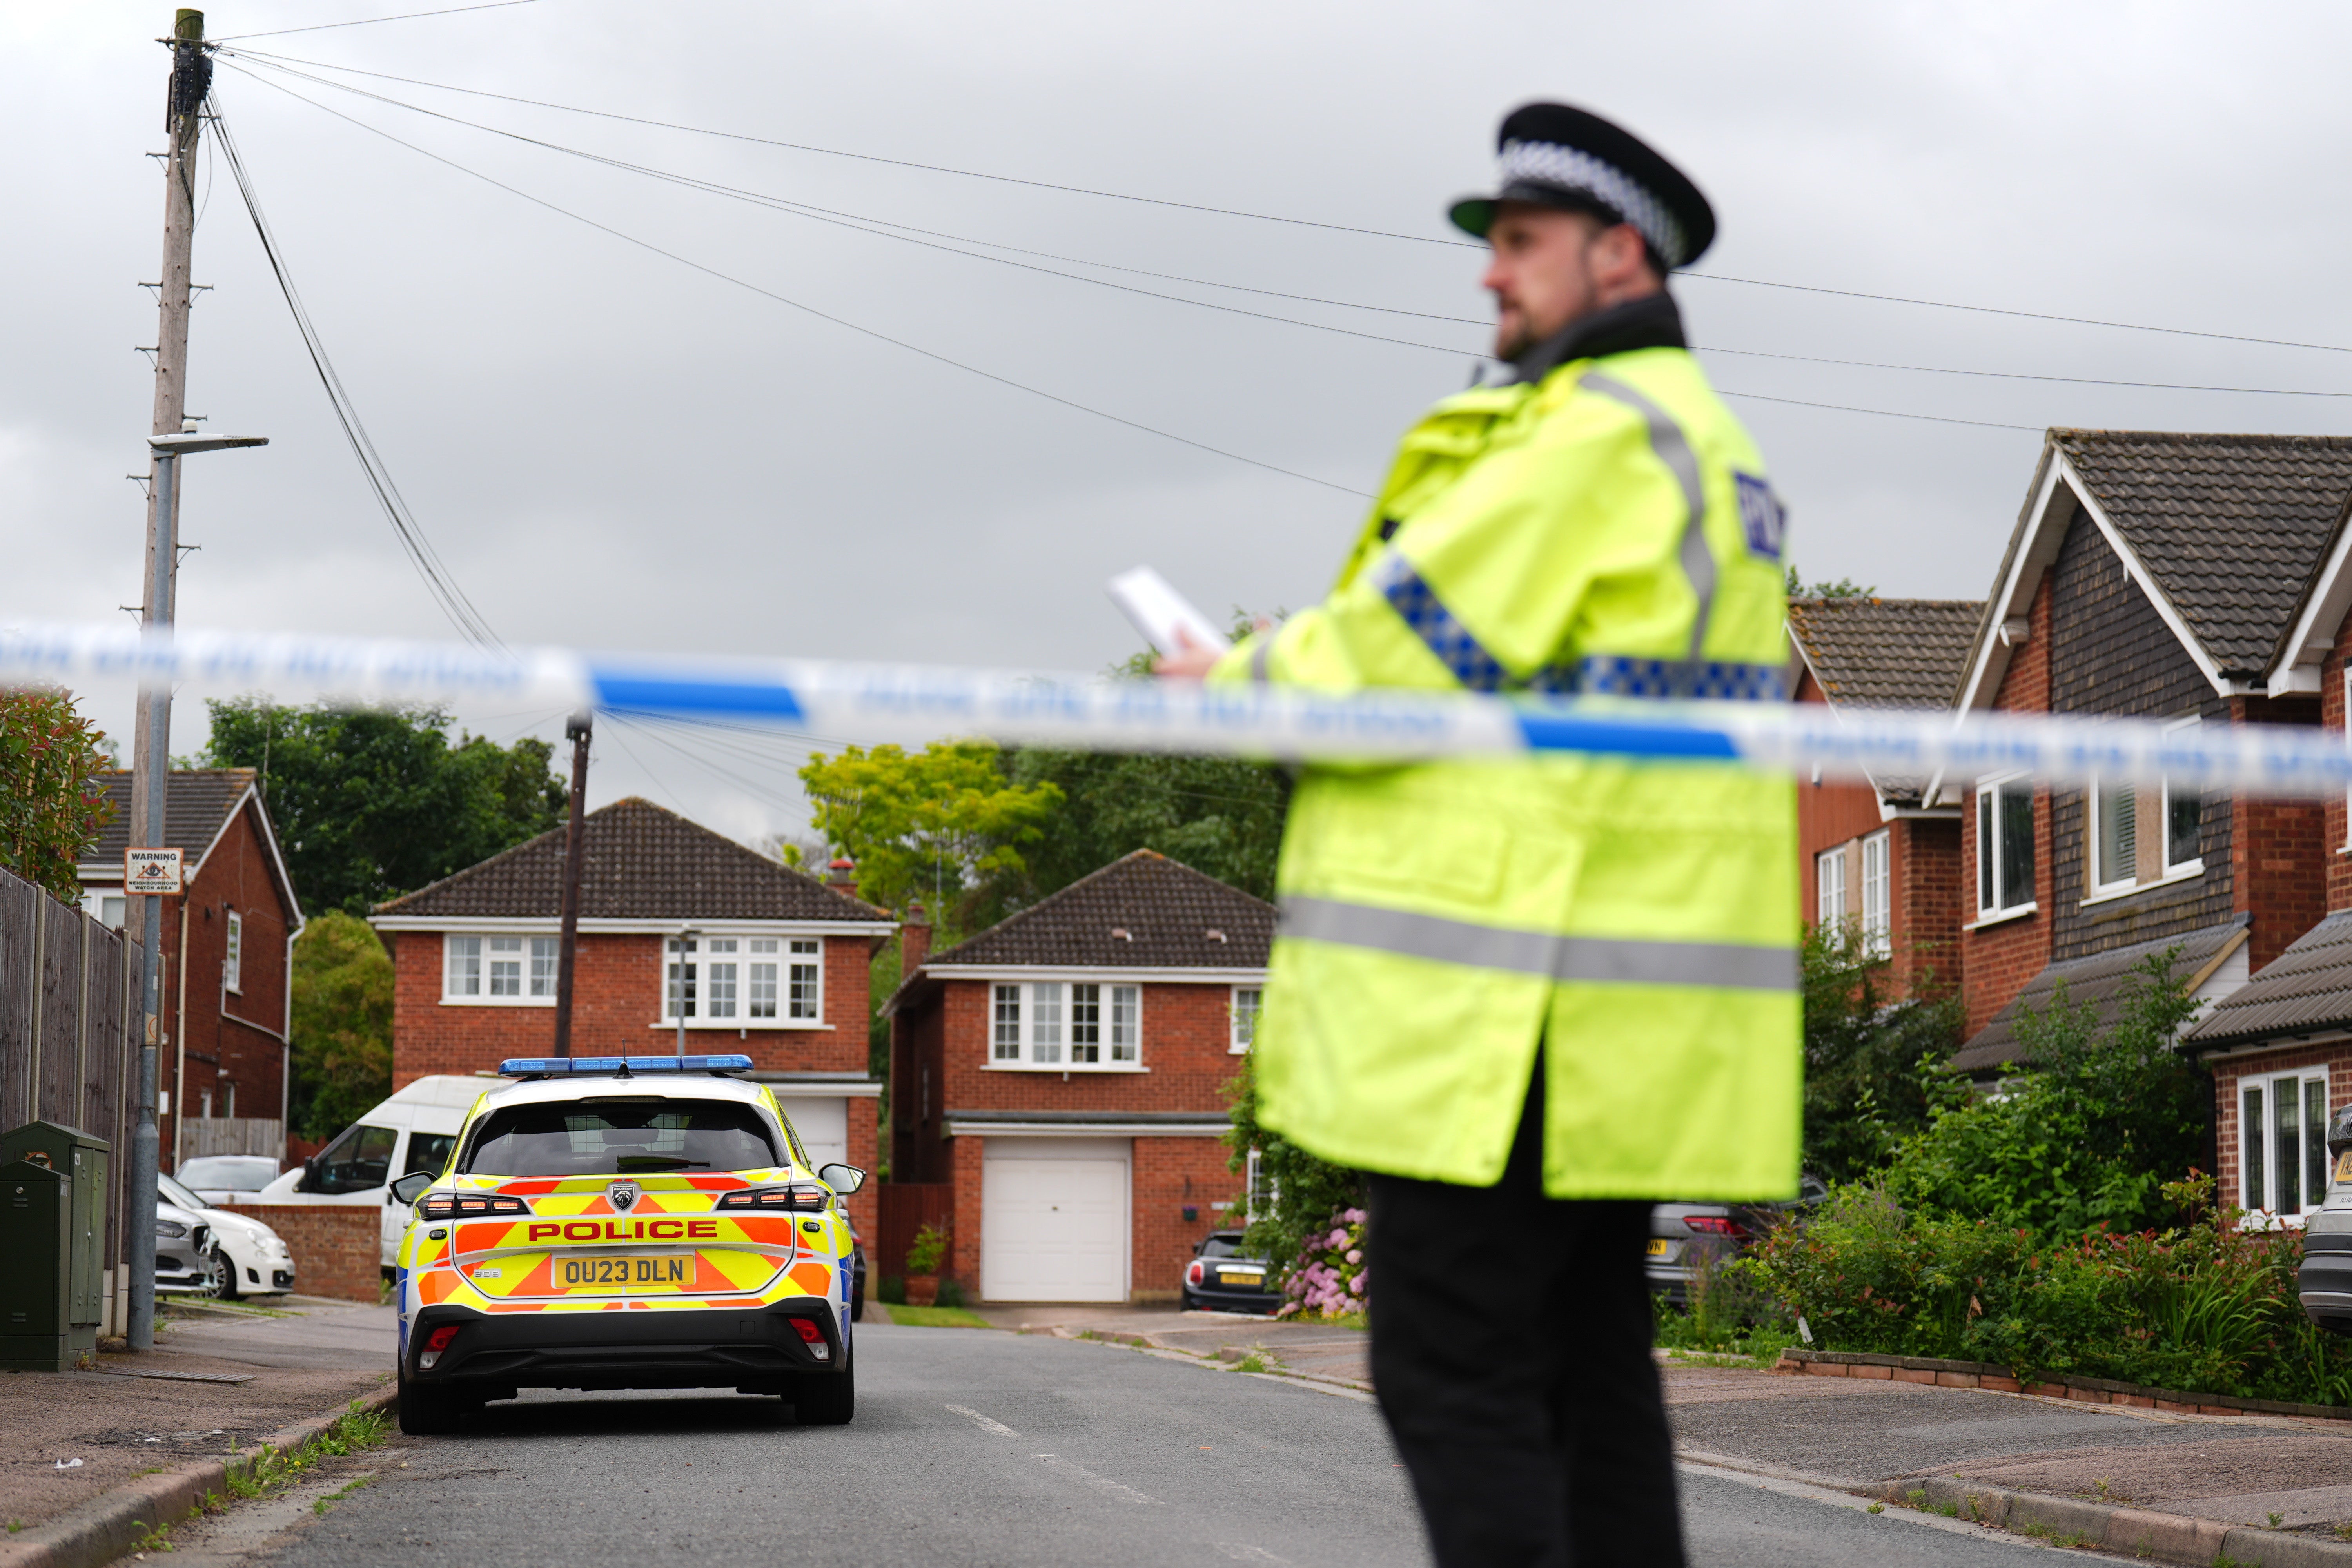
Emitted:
pixel 822 1124
pixel 1054 1220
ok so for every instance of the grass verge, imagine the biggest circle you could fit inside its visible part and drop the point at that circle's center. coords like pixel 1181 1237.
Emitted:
pixel 937 1316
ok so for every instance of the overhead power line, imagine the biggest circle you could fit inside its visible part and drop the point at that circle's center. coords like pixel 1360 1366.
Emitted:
pixel 896 163
pixel 454 604
pixel 1275 217
pixel 371 21
pixel 863 224
pixel 707 271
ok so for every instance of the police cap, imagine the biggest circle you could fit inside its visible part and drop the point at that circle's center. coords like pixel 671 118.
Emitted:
pixel 1556 156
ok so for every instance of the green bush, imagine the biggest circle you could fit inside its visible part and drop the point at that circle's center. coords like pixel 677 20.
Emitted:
pixel 2202 1306
pixel 1873 1068
pixel 924 1253
pixel 2086 1136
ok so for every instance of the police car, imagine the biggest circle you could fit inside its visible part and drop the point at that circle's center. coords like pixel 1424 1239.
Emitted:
pixel 625 1222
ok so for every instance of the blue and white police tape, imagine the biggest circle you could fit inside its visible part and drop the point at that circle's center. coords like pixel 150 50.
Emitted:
pixel 871 703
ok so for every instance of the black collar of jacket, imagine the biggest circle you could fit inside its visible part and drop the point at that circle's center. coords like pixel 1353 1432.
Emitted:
pixel 1652 322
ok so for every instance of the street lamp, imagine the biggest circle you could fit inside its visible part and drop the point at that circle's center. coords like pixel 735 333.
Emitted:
pixel 154 763
pixel 686 939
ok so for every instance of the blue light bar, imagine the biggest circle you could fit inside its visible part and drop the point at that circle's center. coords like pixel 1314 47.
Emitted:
pixel 617 1066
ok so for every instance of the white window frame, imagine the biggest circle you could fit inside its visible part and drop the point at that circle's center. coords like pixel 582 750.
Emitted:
pixel 1242 1010
pixel 2094 820
pixel 1828 887
pixel 2260 1183
pixel 491 961
pixel 1878 894
pixel 1044 1025
pixel 2195 863
pixel 233 954
pixel 745 980
pixel 1990 843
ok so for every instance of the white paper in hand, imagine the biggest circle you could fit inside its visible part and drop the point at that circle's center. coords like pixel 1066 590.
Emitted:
pixel 1159 612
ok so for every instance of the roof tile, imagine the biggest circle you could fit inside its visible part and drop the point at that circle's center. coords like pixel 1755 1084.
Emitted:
pixel 1141 912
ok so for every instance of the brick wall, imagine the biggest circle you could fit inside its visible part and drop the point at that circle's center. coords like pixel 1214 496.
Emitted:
pixel 1997 961
pixel 939 1052
pixel 616 998
pixel 1167 1175
pixel 338 1248
pixel 2335 831
pixel 1930 896
pixel 231 1038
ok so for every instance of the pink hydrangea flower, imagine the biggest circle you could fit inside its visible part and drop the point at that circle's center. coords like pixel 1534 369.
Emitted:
pixel 1339 1240
pixel 1355 1254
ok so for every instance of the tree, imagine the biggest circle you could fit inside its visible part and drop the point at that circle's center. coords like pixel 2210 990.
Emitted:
pixel 342 1024
pixel 939 822
pixel 1873 1068
pixel 1844 588
pixel 2087 1135
pixel 1220 815
pixel 370 803
pixel 51 802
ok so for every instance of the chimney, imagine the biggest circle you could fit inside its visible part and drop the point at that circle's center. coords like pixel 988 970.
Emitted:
pixel 842 876
pixel 914 940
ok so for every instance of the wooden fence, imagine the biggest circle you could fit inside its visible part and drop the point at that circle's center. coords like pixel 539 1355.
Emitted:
pixel 201 1136
pixel 70 1019
pixel 907 1207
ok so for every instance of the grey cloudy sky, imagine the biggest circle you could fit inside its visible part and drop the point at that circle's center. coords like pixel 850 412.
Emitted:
pixel 609 448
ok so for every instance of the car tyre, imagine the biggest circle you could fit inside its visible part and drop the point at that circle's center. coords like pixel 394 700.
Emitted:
pixel 858 1308
pixel 430 1411
pixel 826 1399
pixel 219 1273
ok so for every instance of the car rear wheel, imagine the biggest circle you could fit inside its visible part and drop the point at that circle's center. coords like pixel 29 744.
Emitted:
pixel 217 1272
pixel 826 1399
pixel 427 1411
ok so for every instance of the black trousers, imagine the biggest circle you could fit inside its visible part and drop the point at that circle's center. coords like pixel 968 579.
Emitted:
pixel 1511 1349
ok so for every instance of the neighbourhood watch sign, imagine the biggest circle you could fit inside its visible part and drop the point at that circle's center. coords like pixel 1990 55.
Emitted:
pixel 151 870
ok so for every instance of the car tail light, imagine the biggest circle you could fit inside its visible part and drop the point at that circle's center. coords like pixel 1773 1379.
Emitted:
pixel 466 1205
pixel 1195 1272
pixel 794 1197
pixel 813 1337
pixel 439 1340
pixel 1716 1225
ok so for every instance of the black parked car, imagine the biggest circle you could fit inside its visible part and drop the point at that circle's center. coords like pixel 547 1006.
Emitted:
pixel 1678 1230
pixel 1220 1278
pixel 857 1276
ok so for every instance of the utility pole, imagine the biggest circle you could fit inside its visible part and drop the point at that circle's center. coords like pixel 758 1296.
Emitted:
pixel 575 835
pixel 192 71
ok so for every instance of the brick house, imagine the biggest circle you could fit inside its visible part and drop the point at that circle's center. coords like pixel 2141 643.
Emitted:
pixel 224 1077
pixel 2155 576
pixel 1877 856
pixel 2281 1048
pixel 1061 1074
pixel 775 967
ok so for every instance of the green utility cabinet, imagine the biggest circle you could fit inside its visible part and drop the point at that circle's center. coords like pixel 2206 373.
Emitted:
pixel 52 1233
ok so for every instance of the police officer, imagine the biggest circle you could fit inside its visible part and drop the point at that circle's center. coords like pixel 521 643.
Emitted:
pixel 1532 996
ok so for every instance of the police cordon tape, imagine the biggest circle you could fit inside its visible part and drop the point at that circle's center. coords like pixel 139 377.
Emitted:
pixel 874 703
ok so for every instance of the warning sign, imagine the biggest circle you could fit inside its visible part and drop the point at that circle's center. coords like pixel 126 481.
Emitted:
pixel 151 870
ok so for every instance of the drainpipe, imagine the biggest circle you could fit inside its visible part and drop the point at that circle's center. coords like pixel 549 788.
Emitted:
pixel 180 1037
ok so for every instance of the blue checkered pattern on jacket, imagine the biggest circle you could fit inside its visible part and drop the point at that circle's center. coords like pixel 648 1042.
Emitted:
pixel 1447 637
pixel 1701 680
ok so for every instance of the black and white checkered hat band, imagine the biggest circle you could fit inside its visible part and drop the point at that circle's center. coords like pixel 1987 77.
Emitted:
pixel 1549 163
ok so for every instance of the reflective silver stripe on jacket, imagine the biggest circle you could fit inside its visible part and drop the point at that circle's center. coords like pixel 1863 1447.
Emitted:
pixel 1673 449
pixel 1636 961
pixel 1259 655
pixel 1697 679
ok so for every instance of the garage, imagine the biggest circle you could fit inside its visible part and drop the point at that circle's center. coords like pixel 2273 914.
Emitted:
pixel 1053 1219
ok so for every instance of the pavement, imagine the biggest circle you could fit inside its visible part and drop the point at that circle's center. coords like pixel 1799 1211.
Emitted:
pixel 309 1357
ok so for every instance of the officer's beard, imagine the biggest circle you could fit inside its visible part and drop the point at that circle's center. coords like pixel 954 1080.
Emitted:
pixel 1516 337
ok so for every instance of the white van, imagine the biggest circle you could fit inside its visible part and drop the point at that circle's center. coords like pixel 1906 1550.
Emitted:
pixel 414 1130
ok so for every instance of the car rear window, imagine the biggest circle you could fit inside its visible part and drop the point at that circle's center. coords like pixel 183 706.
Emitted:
pixel 1221 1247
pixel 620 1138
pixel 235 1173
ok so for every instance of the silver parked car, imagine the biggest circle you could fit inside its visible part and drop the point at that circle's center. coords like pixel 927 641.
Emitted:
pixel 1681 1233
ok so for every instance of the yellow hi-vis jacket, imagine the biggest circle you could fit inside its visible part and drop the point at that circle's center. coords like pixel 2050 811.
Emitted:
pixel 1606 530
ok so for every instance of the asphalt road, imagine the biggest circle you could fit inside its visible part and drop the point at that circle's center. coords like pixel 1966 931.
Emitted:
pixel 973 1448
